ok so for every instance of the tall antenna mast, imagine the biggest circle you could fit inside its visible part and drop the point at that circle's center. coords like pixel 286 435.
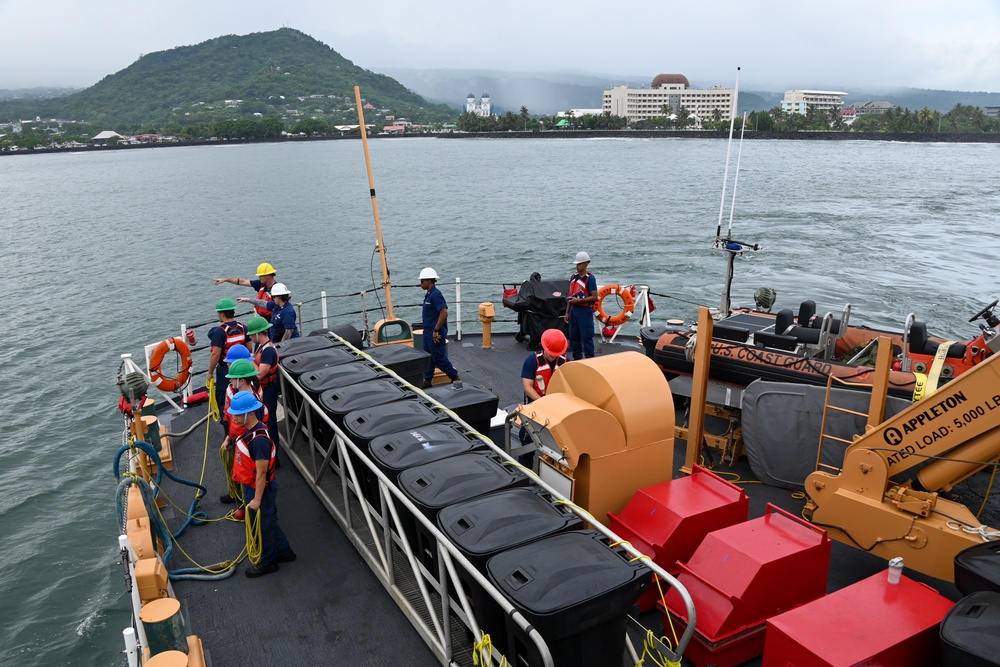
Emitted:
pixel 725 174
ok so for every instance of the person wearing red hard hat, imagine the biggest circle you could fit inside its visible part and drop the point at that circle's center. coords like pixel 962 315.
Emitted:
pixel 539 366
pixel 536 373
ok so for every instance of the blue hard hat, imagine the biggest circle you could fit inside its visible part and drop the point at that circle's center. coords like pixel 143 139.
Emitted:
pixel 243 402
pixel 238 351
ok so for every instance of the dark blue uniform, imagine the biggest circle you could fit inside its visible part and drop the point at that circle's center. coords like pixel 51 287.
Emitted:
pixel 273 539
pixel 282 319
pixel 434 303
pixel 581 318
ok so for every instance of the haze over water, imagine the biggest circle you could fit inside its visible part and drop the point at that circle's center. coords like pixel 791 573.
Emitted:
pixel 106 252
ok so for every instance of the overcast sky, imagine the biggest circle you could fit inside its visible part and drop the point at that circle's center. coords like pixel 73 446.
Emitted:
pixel 778 44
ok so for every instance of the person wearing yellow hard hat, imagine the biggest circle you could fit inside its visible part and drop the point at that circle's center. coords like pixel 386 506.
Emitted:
pixel 263 283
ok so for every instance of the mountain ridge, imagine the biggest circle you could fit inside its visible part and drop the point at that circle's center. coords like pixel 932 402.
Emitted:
pixel 268 73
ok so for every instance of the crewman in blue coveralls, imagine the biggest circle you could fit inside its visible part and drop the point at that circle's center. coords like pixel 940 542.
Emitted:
pixel 435 318
pixel 580 308
pixel 253 467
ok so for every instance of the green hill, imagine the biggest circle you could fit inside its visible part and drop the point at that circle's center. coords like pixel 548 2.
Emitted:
pixel 281 74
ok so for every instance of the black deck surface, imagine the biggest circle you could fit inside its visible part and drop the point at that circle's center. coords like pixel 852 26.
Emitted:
pixel 327 607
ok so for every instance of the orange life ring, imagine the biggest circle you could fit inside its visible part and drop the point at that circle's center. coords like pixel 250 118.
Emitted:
pixel 622 293
pixel 156 376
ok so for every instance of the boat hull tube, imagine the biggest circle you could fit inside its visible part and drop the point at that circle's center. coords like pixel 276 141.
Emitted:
pixel 745 348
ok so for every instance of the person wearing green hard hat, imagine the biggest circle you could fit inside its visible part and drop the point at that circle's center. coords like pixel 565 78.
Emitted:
pixel 221 339
pixel 265 356
pixel 253 467
pixel 242 376
pixel 262 283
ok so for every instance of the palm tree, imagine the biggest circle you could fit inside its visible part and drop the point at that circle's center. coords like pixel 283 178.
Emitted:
pixel 925 117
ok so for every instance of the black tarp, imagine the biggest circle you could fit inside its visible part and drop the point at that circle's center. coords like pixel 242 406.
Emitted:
pixel 540 305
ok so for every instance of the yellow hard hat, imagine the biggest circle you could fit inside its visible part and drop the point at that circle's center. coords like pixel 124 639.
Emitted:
pixel 266 269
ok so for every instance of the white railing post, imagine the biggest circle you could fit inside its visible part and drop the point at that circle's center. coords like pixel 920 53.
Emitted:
pixel 131 650
pixel 186 389
pixel 458 309
pixel 322 298
pixel 123 543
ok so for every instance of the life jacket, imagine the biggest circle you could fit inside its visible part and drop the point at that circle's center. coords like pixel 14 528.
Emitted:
pixel 263 311
pixel 272 375
pixel 236 430
pixel 244 467
pixel 544 372
pixel 236 334
pixel 578 285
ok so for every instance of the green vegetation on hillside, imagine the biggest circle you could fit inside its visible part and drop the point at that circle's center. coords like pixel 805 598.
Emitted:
pixel 283 74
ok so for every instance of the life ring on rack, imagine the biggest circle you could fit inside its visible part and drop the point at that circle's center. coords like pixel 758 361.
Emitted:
pixel 623 293
pixel 156 376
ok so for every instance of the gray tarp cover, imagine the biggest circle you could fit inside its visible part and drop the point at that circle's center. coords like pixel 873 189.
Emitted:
pixel 781 428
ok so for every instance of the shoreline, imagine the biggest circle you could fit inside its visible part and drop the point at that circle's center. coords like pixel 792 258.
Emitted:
pixel 561 134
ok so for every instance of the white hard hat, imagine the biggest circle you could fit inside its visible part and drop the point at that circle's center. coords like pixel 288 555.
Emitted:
pixel 428 274
pixel 581 257
pixel 279 289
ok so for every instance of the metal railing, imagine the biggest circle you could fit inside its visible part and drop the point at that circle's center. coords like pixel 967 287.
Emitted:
pixel 429 600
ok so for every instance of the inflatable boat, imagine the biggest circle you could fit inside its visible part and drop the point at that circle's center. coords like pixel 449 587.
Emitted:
pixel 806 348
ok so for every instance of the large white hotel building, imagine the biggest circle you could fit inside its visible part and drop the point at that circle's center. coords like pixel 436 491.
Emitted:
pixel 671 91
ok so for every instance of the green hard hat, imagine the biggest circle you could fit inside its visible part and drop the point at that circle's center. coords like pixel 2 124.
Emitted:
pixel 242 368
pixel 225 304
pixel 257 324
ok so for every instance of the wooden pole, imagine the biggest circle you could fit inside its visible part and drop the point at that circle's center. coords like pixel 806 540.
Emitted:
pixel 699 390
pixel 371 189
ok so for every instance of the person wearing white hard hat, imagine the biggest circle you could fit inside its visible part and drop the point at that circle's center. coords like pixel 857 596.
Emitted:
pixel 580 308
pixel 435 320
pixel 282 313
pixel 262 283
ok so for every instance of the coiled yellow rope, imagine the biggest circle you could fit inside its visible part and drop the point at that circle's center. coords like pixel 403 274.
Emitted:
pixel 251 521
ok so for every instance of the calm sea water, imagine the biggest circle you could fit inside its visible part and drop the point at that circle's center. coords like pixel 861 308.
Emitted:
pixel 105 252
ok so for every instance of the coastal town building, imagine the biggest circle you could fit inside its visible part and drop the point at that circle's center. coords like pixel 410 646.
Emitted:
pixel 992 111
pixel 480 106
pixel 870 107
pixel 665 97
pixel 800 101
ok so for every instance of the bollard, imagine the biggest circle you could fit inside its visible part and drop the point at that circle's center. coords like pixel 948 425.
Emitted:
pixel 487 313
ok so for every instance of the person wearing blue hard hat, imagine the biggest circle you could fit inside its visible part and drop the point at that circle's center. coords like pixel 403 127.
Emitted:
pixel 253 467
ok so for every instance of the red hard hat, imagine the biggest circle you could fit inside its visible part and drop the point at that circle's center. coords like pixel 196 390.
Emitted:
pixel 554 342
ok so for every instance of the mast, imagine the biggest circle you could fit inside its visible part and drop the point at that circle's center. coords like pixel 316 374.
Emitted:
pixel 731 247
pixel 371 188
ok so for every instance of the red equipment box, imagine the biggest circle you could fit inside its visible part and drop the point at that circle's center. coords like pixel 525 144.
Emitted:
pixel 668 521
pixel 742 575
pixel 871 622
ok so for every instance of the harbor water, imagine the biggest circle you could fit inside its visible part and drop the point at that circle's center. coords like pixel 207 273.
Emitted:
pixel 105 252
